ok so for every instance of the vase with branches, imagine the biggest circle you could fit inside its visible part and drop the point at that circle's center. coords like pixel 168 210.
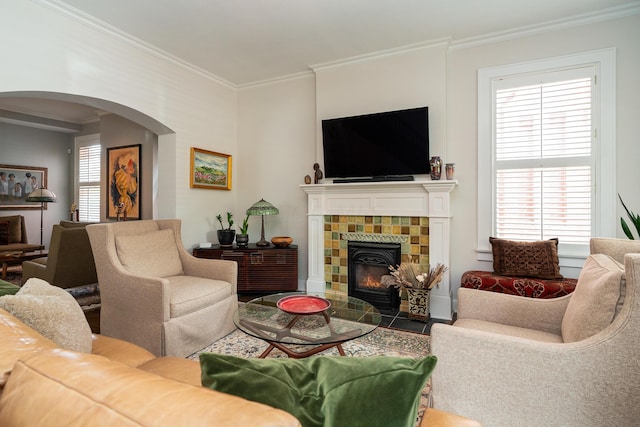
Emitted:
pixel 417 283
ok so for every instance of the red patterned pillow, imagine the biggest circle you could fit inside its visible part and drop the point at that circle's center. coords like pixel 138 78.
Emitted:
pixel 4 233
pixel 530 259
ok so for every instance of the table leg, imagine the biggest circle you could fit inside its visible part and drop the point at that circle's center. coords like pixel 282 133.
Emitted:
pixel 4 270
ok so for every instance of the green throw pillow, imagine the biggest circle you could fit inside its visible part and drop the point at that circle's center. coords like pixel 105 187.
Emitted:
pixel 326 391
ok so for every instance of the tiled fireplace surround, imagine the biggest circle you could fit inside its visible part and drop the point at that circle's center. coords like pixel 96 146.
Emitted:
pixel 413 213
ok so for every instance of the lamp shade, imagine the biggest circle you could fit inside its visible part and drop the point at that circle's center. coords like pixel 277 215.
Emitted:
pixel 262 208
pixel 41 195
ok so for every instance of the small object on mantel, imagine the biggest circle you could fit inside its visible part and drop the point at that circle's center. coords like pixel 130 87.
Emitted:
pixel 307 179
pixel 318 173
pixel 281 241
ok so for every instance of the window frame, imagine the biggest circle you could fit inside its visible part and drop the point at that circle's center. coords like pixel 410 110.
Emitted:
pixel 603 150
pixel 82 141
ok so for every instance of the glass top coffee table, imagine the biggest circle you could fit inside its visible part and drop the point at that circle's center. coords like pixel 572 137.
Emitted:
pixel 302 324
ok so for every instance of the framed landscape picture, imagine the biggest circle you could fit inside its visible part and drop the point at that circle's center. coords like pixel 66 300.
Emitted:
pixel 16 182
pixel 123 192
pixel 210 170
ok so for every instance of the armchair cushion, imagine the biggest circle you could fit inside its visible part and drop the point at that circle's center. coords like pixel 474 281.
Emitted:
pixel 326 391
pixel 52 312
pixel 531 259
pixel 153 254
pixel 593 304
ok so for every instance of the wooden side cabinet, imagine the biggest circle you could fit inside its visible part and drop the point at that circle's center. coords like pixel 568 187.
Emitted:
pixel 260 268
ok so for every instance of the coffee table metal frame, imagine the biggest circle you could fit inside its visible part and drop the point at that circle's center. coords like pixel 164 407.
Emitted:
pixel 364 316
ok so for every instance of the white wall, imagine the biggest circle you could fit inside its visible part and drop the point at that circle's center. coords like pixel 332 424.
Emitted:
pixel 463 63
pixel 60 54
pixel 273 153
pixel 276 149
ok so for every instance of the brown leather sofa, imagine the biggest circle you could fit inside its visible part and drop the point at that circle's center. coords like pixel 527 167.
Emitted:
pixel 122 384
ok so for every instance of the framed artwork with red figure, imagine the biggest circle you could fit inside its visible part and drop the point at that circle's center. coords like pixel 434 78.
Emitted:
pixel 123 192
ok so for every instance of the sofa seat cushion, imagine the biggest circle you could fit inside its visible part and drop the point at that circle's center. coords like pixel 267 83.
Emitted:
pixel 60 388
pixel 594 304
pixel 120 351
pixel 326 391
pixel 514 331
pixel 190 294
pixel 522 286
pixel 176 368
pixel 52 312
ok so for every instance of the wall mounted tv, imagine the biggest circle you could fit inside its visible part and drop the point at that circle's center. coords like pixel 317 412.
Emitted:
pixel 387 146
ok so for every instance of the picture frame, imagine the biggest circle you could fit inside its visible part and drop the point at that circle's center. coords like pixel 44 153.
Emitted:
pixel 123 182
pixel 24 180
pixel 210 170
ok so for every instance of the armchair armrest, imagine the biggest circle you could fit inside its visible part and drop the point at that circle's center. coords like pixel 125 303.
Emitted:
pixel 539 314
pixel 210 268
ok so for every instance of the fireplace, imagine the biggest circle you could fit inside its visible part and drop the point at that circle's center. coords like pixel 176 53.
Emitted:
pixel 367 263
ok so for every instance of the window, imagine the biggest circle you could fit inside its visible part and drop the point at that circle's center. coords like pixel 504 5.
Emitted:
pixel 544 140
pixel 88 163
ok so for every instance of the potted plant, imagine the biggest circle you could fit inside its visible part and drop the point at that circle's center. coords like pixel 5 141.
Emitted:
pixel 635 221
pixel 418 284
pixel 242 239
pixel 226 235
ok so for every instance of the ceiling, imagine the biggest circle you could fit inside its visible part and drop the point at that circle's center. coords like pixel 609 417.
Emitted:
pixel 247 41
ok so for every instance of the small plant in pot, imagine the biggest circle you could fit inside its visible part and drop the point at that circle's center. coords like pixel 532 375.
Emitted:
pixel 226 235
pixel 242 239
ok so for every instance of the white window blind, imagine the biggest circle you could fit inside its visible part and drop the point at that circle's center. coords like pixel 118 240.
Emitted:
pixel 543 166
pixel 89 161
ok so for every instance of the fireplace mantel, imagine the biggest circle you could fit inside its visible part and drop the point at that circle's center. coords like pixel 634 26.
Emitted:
pixel 424 198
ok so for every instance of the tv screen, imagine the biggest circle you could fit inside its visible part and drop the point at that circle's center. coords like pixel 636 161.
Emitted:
pixel 388 144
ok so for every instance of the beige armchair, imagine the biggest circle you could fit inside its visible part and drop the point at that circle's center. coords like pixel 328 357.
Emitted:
pixel 567 361
pixel 156 294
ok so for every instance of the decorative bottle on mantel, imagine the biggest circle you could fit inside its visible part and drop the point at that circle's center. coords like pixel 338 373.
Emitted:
pixel 436 167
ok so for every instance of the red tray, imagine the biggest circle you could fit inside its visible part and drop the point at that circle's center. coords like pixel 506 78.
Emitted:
pixel 303 304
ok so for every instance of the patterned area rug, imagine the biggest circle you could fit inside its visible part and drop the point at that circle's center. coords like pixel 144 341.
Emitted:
pixel 380 342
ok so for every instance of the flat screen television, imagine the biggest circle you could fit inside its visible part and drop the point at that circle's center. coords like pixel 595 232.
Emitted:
pixel 390 145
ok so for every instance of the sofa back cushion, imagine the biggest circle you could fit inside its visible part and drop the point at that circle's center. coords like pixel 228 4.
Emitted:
pixel 14 228
pixel 153 254
pixel 528 259
pixel 60 388
pixel 595 301
pixel 4 233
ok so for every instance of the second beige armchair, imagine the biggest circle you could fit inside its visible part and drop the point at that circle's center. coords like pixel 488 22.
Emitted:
pixel 156 294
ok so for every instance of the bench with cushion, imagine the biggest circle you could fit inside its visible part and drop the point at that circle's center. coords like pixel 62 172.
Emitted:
pixel 528 269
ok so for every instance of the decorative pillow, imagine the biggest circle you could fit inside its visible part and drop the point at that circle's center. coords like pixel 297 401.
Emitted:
pixel 594 302
pixel 4 233
pixel 152 254
pixel 52 312
pixel 326 390
pixel 530 259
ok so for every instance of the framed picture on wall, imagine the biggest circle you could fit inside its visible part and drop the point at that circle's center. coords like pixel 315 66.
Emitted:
pixel 210 170
pixel 16 182
pixel 123 184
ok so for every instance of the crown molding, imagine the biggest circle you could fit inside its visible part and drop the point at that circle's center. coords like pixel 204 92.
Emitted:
pixel 549 26
pixel 96 24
